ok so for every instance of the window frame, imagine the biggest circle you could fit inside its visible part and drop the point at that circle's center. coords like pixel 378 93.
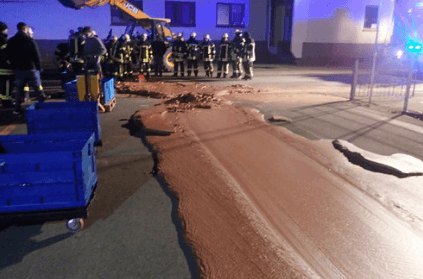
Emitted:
pixel 231 24
pixel 175 23
pixel 366 14
pixel 128 17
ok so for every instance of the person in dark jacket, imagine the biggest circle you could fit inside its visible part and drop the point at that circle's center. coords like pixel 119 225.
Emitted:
pixel 94 49
pixel 223 56
pixel 236 54
pixel 208 53
pixel 76 51
pixel 193 54
pixel 5 77
pixel 248 55
pixel 3 44
pixel 145 55
pixel 61 57
pixel 179 51
pixel 108 61
pixel 159 50
pixel 24 56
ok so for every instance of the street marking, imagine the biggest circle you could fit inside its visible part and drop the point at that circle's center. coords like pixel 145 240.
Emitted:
pixel 7 130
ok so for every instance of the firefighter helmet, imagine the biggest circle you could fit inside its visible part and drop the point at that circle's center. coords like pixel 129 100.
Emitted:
pixel 193 34
pixel 207 37
pixel 226 35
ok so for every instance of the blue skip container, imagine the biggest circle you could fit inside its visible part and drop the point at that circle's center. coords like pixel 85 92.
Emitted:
pixel 47 173
pixel 64 117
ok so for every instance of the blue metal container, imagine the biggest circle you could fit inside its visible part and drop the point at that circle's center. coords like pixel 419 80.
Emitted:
pixel 46 171
pixel 71 91
pixel 64 117
pixel 108 90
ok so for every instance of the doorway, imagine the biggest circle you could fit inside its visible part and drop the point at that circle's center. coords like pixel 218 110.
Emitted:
pixel 280 23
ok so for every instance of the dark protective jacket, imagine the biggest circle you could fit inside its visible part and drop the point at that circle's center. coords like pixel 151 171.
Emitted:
pixel 145 51
pixel 61 56
pixel 193 49
pixel 23 53
pixel 179 50
pixel 109 47
pixel 118 51
pixel 159 48
pixel 3 57
pixel 249 50
pixel 76 47
pixel 208 51
pixel 94 49
pixel 224 48
pixel 237 46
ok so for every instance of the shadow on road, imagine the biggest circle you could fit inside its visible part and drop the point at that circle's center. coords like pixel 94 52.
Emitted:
pixel 16 243
pixel 347 79
pixel 179 226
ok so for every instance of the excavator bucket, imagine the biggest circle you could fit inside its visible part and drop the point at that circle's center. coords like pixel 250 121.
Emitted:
pixel 74 4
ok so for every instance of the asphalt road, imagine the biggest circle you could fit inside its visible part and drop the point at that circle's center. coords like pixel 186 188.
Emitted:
pixel 132 230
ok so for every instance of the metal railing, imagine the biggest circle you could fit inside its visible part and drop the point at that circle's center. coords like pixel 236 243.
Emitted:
pixel 384 80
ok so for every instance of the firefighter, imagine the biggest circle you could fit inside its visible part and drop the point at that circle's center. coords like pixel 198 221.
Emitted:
pixel 117 55
pixel 108 62
pixel 193 51
pixel 236 55
pixel 248 55
pixel 127 58
pixel 145 55
pixel 223 57
pixel 159 50
pixel 208 51
pixel 77 51
pixel 179 51
pixel 62 57
pixel 5 78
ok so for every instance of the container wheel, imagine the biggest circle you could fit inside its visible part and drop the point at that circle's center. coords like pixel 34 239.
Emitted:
pixel 75 225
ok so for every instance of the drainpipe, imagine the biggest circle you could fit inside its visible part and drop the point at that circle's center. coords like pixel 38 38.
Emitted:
pixel 372 77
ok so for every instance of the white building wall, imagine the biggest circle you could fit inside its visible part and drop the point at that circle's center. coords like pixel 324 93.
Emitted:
pixel 52 21
pixel 328 21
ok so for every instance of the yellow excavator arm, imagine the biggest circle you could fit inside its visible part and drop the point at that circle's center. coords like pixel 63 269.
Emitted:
pixel 142 18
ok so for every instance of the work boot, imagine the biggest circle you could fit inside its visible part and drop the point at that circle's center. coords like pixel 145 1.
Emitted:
pixel 175 74
pixel 218 75
pixel 234 76
pixel 182 74
pixel 207 74
pixel 224 75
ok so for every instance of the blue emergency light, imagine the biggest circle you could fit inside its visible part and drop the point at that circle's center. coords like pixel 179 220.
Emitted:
pixel 414 47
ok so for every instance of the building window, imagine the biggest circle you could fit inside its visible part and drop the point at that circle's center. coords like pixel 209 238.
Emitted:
pixel 230 15
pixel 120 18
pixel 180 13
pixel 370 17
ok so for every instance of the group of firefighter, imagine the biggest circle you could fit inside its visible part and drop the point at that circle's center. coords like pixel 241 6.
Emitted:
pixel 127 56
pixel 240 52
